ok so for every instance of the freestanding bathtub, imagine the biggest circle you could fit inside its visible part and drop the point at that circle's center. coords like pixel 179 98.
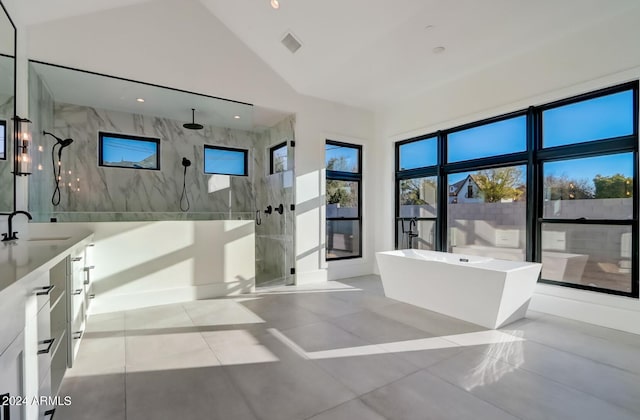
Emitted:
pixel 482 290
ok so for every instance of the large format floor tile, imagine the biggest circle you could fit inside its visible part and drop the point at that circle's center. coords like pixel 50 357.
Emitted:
pixel 592 346
pixel 95 397
pixel 342 350
pixel 606 382
pixel 186 394
pixel 352 410
pixel 377 329
pixel 422 396
pixel 521 393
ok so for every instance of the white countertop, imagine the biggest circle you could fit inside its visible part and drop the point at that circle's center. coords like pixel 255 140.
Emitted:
pixel 25 257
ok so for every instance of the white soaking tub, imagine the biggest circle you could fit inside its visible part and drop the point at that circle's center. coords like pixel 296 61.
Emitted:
pixel 482 290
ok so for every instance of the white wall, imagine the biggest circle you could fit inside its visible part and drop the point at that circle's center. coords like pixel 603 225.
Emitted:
pixel 595 58
pixel 178 43
pixel 139 264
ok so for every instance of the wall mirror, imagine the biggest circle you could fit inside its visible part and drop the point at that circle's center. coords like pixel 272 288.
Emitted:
pixel 7 109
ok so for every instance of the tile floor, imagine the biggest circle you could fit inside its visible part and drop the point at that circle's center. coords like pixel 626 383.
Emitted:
pixel 344 351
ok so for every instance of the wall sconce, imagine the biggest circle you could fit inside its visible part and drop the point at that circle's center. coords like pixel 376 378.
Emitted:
pixel 22 160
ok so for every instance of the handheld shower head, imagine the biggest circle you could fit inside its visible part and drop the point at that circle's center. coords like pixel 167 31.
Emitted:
pixel 62 143
pixel 66 142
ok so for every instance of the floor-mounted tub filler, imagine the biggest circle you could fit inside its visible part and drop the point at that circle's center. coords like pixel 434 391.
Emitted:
pixel 482 290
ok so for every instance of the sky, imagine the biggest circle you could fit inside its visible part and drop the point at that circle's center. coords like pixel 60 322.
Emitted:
pixel 116 150
pixel 349 153
pixel 603 117
pixel 227 162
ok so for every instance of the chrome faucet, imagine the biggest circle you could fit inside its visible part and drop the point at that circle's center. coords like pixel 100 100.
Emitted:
pixel 11 235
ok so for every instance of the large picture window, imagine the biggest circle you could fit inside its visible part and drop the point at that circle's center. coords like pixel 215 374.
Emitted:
pixel 225 160
pixel 343 189
pixel 125 151
pixel 553 184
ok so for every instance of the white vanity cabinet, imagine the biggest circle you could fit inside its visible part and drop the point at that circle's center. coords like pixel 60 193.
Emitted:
pixel 12 368
pixel 43 310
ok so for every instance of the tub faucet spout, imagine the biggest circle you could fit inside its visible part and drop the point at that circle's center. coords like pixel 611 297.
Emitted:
pixel 413 231
pixel 11 235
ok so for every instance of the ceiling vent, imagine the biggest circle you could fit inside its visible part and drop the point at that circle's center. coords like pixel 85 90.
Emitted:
pixel 291 43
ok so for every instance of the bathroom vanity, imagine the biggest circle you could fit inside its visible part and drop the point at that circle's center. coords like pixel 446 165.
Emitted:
pixel 45 288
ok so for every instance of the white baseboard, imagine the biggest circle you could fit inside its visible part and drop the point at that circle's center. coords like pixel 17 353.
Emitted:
pixel 603 315
pixel 308 277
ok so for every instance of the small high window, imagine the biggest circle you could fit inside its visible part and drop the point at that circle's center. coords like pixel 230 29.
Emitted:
pixel 225 161
pixel 125 151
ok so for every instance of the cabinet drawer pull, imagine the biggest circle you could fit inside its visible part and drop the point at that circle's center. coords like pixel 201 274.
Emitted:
pixel 42 291
pixel 77 335
pixel 51 413
pixel 50 344
pixel 6 409
pixel 92 296
pixel 77 292
pixel 76 259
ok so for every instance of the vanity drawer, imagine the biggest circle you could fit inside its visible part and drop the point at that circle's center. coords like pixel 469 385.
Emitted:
pixel 47 342
pixel 45 391
pixel 11 366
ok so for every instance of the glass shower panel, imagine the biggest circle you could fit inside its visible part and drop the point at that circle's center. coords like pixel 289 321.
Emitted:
pixel 274 197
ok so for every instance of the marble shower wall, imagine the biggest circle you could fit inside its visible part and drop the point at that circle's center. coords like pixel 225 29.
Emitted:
pixel 274 237
pixel 41 116
pixel 87 187
pixel 93 193
pixel 6 165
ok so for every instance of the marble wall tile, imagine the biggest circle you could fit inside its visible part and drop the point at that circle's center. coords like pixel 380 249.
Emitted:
pixel 6 165
pixel 93 193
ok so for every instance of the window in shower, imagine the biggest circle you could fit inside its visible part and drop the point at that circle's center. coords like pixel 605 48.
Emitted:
pixel 278 158
pixel 225 160
pixel 343 200
pixel 125 151
pixel 3 143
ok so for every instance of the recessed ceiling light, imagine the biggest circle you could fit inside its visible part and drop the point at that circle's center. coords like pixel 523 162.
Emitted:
pixel 140 100
pixel 275 4
pixel 237 117
pixel 438 50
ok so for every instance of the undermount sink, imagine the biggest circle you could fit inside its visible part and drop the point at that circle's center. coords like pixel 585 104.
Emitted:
pixel 49 239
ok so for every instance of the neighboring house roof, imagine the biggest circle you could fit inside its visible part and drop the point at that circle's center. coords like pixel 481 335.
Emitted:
pixel 458 186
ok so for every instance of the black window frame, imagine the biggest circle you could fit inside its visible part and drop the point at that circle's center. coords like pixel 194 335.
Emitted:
pixel 3 124
pixel 533 159
pixel 347 176
pixel 233 149
pixel 272 150
pixel 156 140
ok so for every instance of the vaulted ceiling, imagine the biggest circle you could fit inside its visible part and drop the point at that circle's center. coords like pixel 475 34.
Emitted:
pixel 369 53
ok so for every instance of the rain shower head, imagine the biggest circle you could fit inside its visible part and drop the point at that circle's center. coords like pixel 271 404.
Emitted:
pixel 193 125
